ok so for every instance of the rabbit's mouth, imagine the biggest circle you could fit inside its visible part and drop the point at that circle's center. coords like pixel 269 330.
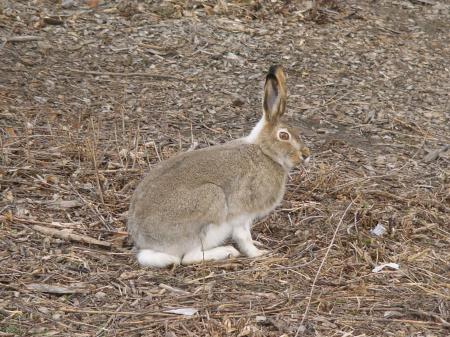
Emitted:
pixel 305 155
pixel 297 157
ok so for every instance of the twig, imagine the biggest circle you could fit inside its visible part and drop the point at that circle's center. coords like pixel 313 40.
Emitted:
pixel 408 126
pixel 64 225
pixel 136 145
pixel 320 268
pixel 422 313
pixel 55 289
pixel 175 290
pixel 433 155
pixel 424 2
pixel 389 320
pixel 156 150
pixel 113 312
pixel 23 38
pixel 387 29
pixel 388 195
pixel 116 139
pixel 194 144
pixel 94 159
pixel 92 208
pixel 108 73
pixel 111 319
pixel 66 235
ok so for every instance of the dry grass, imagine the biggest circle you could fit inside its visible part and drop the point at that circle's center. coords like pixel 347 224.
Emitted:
pixel 87 106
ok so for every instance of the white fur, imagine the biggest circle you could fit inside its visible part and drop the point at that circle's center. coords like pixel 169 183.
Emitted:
pixel 244 220
pixel 214 235
pixel 150 258
pixel 217 253
pixel 251 138
pixel 243 238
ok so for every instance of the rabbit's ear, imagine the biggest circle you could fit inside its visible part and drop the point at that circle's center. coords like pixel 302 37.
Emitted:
pixel 274 102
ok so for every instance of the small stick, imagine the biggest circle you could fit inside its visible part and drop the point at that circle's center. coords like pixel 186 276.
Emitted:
pixel 433 155
pixel 66 235
pixel 108 322
pixel 136 145
pixel 94 159
pixel 103 312
pixel 320 268
pixel 92 208
pixel 55 289
pixel 194 144
pixel 175 290
pixel 108 73
pixel 431 315
pixel 156 150
pixel 23 38
pixel 117 145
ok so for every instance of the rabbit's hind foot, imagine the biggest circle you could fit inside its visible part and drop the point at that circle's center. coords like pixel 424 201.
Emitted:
pixel 151 258
pixel 217 253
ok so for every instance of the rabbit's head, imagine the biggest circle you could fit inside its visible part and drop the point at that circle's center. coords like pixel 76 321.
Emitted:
pixel 278 140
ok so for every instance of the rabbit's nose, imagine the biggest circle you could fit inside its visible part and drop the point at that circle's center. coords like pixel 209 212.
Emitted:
pixel 305 154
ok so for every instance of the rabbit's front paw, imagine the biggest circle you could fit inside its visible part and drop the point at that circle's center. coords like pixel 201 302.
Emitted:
pixel 232 252
pixel 257 252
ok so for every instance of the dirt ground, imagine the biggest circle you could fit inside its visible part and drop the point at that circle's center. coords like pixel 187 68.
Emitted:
pixel 94 93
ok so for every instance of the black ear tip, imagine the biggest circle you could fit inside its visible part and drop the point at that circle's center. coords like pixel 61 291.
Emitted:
pixel 271 78
pixel 272 73
pixel 276 73
pixel 274 69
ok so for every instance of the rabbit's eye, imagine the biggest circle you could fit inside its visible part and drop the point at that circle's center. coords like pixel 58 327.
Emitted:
pixel 283 135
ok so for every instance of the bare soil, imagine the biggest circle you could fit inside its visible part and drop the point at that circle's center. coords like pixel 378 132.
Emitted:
pixel 94 94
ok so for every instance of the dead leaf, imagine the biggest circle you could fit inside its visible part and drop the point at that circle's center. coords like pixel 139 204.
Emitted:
pixel 51 179
pixel 10 131
pixel 183 311
pixel 92 3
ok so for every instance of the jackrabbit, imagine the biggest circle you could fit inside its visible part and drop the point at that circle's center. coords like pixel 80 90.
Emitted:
pixel 188 205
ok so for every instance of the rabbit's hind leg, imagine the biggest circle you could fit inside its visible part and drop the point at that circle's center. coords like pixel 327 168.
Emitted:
pixel 151 258
pixel 218 253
